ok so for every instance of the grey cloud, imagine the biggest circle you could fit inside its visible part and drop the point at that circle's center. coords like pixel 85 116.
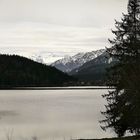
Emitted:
pixel 84 13
pixel 57 26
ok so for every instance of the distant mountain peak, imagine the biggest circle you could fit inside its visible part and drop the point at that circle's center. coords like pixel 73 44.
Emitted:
pixel 37 58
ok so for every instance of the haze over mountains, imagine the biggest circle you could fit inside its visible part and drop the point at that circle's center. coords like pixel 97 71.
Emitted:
pixel 45 57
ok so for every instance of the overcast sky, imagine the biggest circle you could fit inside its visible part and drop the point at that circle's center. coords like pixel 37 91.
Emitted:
pixel 60 27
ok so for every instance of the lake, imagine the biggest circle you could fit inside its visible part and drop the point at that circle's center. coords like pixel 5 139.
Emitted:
pixel 52 114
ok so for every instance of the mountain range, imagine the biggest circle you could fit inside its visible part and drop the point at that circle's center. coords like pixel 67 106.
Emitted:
pixel 94 71
pixel 81 69
pixel 69 63
pixel 89 68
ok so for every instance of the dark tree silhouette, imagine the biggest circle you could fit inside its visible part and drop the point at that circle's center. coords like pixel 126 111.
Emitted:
pixel 17 71
pixel 123 108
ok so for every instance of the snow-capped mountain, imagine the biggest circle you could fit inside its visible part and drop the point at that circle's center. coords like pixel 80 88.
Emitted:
pixel 45 57
pixel 70 63
pixel 37 58
pixel 94 70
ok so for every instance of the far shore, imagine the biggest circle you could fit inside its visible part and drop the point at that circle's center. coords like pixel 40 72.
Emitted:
pixel 121 138
pixel 57 88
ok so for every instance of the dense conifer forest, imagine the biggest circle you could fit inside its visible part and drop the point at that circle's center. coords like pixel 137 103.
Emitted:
pixel 17 71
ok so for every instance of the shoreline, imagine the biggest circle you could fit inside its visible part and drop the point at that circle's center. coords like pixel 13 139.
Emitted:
pixel 56 88
pixel 117 138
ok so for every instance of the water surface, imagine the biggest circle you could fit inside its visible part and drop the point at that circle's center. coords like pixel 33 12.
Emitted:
pixel 51 114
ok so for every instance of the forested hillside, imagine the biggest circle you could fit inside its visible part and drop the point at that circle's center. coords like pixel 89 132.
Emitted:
pixel 16 71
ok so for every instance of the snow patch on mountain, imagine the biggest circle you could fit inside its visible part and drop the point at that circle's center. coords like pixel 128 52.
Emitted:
pixel 45 57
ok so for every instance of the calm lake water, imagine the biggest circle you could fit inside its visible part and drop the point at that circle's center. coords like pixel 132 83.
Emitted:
pixel 51 114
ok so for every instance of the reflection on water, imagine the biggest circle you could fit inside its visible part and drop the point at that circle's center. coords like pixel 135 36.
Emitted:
pixel 51 114
pixel 4 113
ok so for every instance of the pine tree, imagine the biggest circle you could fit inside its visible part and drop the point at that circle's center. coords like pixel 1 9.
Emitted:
pixel 123 108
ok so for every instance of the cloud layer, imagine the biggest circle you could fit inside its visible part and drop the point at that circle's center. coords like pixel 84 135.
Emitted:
pixel 57 26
